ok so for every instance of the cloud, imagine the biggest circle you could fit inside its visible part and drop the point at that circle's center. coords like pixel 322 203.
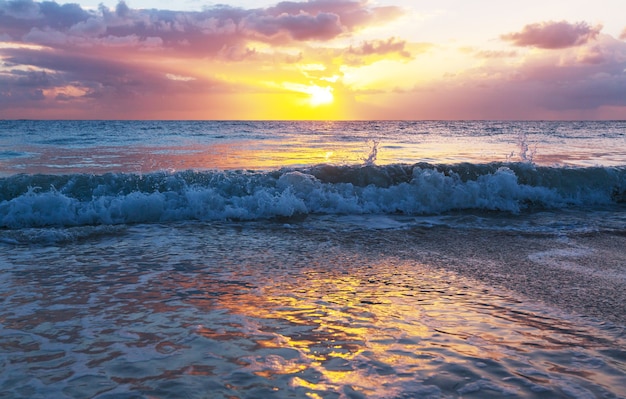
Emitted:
pixel 487 54
pixel 382 47
pixel 591 55
pixel 584 78
pixel 622 36
pixel 553 35
pixel 199 32
pixel 300 27
pixel 22 87
pixel 353 14
pixel 372 51
pixel 572 83
pixel 180 78
pixel 17 17
pixel 113 83
pixel 70 25
pixel 122 9
pixel 24 9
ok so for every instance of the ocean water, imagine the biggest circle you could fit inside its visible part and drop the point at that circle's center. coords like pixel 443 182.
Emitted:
pixel 380 259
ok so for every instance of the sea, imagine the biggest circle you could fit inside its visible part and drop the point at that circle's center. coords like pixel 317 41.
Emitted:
pixel 312 259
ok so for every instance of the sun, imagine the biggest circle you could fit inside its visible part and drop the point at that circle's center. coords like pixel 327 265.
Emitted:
pixel 320 95
pixel 310 101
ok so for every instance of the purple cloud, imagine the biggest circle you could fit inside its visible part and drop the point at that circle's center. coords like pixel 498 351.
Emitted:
pixel 323 26
pixel 353 14
pixel 553 35
pixel 18 17
pixel 69 25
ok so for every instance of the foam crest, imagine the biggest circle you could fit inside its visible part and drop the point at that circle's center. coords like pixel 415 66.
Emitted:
pixel 112 199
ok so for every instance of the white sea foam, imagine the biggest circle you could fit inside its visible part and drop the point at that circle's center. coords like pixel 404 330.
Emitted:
pixel 422 189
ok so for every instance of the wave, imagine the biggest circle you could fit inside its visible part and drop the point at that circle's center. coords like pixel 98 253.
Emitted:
pixel 120 198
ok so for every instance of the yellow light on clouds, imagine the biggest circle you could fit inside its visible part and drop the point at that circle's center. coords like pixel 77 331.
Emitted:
pixel 318 95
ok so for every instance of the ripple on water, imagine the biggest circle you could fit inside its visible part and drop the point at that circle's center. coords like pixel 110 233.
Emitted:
pixel 166 311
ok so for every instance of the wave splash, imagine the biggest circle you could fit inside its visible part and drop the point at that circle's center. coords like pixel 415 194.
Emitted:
pixel 420 189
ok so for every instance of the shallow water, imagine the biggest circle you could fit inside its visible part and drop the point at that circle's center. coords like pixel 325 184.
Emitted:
pixel 231 310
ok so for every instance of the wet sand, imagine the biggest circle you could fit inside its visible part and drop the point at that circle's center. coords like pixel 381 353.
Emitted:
pixel 584 274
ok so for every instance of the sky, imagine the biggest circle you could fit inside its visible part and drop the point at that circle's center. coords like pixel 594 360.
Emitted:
pixel 315 59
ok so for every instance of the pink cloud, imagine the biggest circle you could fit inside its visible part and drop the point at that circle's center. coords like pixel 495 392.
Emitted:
pixel 381 47
pixel 553 35
pixel 591 55
pixel 622 36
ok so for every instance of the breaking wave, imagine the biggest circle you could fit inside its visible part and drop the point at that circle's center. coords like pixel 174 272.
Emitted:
pixel 119 198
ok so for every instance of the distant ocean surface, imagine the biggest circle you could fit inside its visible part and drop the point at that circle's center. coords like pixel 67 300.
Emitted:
pixel 308 259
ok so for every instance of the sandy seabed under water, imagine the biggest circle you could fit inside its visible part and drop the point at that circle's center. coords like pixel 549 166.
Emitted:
pixel 582 273
pixel 252 310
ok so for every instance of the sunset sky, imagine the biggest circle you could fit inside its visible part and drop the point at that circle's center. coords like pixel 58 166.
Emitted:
pixel 316 59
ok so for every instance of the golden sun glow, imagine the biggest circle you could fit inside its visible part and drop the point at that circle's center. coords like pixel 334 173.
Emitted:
pixel 318 95
pixel 321 95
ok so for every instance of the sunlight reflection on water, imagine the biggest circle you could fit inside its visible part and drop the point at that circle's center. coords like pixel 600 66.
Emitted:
pixel 58 147
pixel 228 311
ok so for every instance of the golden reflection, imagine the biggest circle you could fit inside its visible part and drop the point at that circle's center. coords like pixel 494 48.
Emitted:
pixel 224 156
pixel 333 322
